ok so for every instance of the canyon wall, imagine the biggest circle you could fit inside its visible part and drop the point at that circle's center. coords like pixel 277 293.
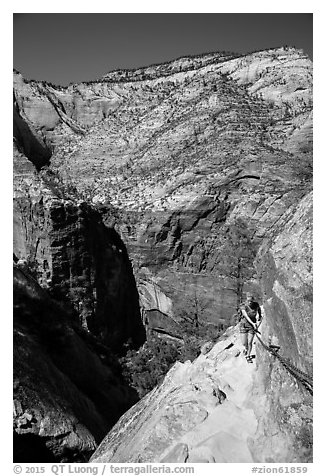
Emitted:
pixel 284 264
pixel 76 257
pixel 68 390
pixel 152 197
pixel 220 409
pixel 192 162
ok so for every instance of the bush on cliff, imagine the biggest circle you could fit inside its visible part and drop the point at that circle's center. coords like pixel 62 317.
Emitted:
pixel 145 368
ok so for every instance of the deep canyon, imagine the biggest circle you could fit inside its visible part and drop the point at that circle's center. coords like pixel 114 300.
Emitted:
pixel 145 201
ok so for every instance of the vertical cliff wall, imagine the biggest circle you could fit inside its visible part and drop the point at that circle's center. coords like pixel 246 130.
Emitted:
pixel 81 262
pixel 196 160
pixel 68 390
pixel 285 267
pixel 75 302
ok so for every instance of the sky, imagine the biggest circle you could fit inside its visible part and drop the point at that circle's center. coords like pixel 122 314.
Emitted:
pixel 63 47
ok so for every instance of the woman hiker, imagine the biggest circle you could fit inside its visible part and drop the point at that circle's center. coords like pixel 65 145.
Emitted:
pixel 250 320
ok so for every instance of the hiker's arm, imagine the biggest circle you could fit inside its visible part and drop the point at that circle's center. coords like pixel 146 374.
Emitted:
pixel 248 318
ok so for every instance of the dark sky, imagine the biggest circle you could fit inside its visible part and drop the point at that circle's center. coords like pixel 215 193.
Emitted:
pixel 63 48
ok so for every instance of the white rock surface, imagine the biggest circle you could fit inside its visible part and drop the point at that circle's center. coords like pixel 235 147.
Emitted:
pixel 202 412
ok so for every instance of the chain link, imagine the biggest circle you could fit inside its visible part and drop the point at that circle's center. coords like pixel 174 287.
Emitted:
pixel 303 377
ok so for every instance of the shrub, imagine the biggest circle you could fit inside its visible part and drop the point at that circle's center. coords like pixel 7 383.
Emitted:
pixel 146 367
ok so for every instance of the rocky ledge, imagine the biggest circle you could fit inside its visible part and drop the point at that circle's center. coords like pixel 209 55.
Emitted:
pixel 209 411
pixel 221 408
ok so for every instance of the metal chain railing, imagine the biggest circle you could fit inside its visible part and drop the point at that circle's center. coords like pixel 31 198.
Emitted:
pixel 303 377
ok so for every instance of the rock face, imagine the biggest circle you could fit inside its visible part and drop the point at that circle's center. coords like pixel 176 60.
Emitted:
pixel 194 161
pixel 201 413
pixel 160 195
pixel 285 266
pixel 68 390
pixel 78 259
pixel 222 409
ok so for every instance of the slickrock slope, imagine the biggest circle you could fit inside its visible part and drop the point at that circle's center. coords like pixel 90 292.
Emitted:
pixel 212 411
pixel 201 413
pixel 222 409
pixel 192 160
pixel 68 390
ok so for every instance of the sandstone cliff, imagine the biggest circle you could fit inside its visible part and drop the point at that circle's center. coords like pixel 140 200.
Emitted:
pixel 193 162
pixel 68 390
pixel 76 257
pixel 222 409
pixel 284 264
pixel 162 194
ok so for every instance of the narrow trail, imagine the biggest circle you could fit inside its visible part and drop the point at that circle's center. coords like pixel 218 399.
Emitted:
pixel 202 412
pixel 223 436
pixel 205 411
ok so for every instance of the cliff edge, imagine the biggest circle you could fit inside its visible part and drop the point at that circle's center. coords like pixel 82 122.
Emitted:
pixel 221 408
